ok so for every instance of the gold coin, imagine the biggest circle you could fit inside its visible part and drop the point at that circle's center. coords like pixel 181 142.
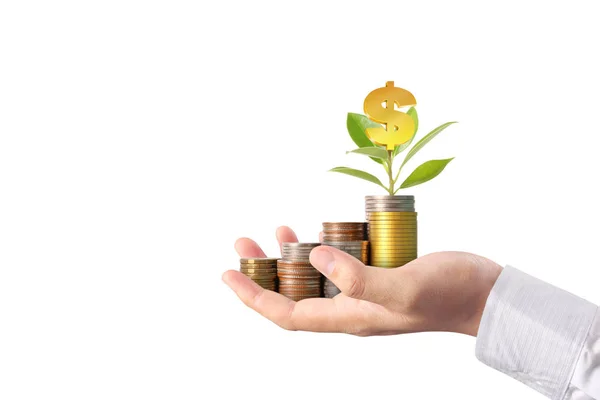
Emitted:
pixel 261 277
pixel 253 269
pixel 394 252
pixel 404 238
pixel 393 243
pixel 400 252
pixel 394 218
pixel 390 227
pixel 395 246
pixel 392 258
pixel 258 260
pixel 390 239
pixel 378 224
pixel 393 239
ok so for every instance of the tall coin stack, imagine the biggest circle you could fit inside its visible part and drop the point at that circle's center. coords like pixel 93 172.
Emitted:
pixel 392 230
pixel 261 270
pixel 349 237
pixel 298 279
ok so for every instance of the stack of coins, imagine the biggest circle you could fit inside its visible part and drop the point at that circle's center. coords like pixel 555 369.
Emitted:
pixel 344 231
pixel 392 230
pixel 348 237
pixel 261 270
pixel 298 279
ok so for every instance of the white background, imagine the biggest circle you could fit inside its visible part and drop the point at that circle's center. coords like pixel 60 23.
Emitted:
pixel 138 140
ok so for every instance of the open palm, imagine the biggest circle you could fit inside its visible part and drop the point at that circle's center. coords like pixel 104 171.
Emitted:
pixel 440 291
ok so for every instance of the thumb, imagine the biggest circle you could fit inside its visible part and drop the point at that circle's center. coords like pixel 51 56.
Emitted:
pixel 351 276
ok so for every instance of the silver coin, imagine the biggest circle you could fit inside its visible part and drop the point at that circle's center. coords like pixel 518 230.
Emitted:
pixel 388 197
pixel 299 245
pixel 388 207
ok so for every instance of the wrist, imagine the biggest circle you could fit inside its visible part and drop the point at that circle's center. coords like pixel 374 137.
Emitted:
pixel 490 273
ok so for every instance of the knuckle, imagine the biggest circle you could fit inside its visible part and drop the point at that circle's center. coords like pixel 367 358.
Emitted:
pixel 287 322
pixel 356 287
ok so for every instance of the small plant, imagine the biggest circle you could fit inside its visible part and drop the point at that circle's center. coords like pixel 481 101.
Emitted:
pixel 357 125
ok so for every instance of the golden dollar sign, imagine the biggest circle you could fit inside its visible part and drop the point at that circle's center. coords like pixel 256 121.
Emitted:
pixel 399 127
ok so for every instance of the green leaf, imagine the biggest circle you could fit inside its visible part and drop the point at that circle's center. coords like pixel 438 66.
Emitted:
pixel 358 174
pixel 376 152
pixel 426 139
pixel 412 112
pixel 425 172
pixel 357 125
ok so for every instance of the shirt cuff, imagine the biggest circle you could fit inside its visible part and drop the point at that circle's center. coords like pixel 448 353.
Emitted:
pixel 533 331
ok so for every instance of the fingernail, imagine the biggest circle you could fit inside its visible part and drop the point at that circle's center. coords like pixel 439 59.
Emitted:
pixel 322 259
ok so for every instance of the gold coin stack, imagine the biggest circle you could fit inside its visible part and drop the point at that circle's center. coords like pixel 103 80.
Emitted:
pixel 263 271
pixel 348 237
pixel 392 230
pixel 298 279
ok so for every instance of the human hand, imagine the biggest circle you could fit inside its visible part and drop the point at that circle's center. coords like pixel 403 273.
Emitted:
pixel 443 291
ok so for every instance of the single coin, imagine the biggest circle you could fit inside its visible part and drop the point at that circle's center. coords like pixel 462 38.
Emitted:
pixel 389 206
pixel 391 213
pixel 258 260
pixel 391 258
pixel 288 288
pixel 352 225
pixel 343 237
pixel 254 267
pixel 392 232
pixel 291 262
pixel 393 239
pixel 260 276
pixel 353 243
pixel 299 245
pixel 300 292
pixel 383 248
pixel 393 223
pixel 388 197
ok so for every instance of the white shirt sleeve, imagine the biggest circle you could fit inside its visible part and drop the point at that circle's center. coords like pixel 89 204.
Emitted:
pixel 541 335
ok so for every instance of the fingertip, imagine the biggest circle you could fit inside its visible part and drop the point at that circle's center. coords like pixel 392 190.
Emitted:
pixel 323 259
pixel 238 243
pixel 285 234
pixel 227 276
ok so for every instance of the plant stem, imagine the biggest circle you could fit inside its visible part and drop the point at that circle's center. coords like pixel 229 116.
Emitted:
pixel 390 173
pixel 398 173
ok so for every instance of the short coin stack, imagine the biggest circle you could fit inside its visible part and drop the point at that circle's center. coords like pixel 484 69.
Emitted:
pixel 348 237
pixel 389 204
pixel 392 230
pixel 298 279
pixel 263 271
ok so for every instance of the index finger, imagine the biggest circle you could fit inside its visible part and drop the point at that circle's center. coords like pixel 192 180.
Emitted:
pixel 248 248
pixel 285 234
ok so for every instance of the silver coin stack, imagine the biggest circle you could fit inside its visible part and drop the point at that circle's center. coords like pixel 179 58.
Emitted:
pixel 357 249
pixel 297 251
pixel 388 204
